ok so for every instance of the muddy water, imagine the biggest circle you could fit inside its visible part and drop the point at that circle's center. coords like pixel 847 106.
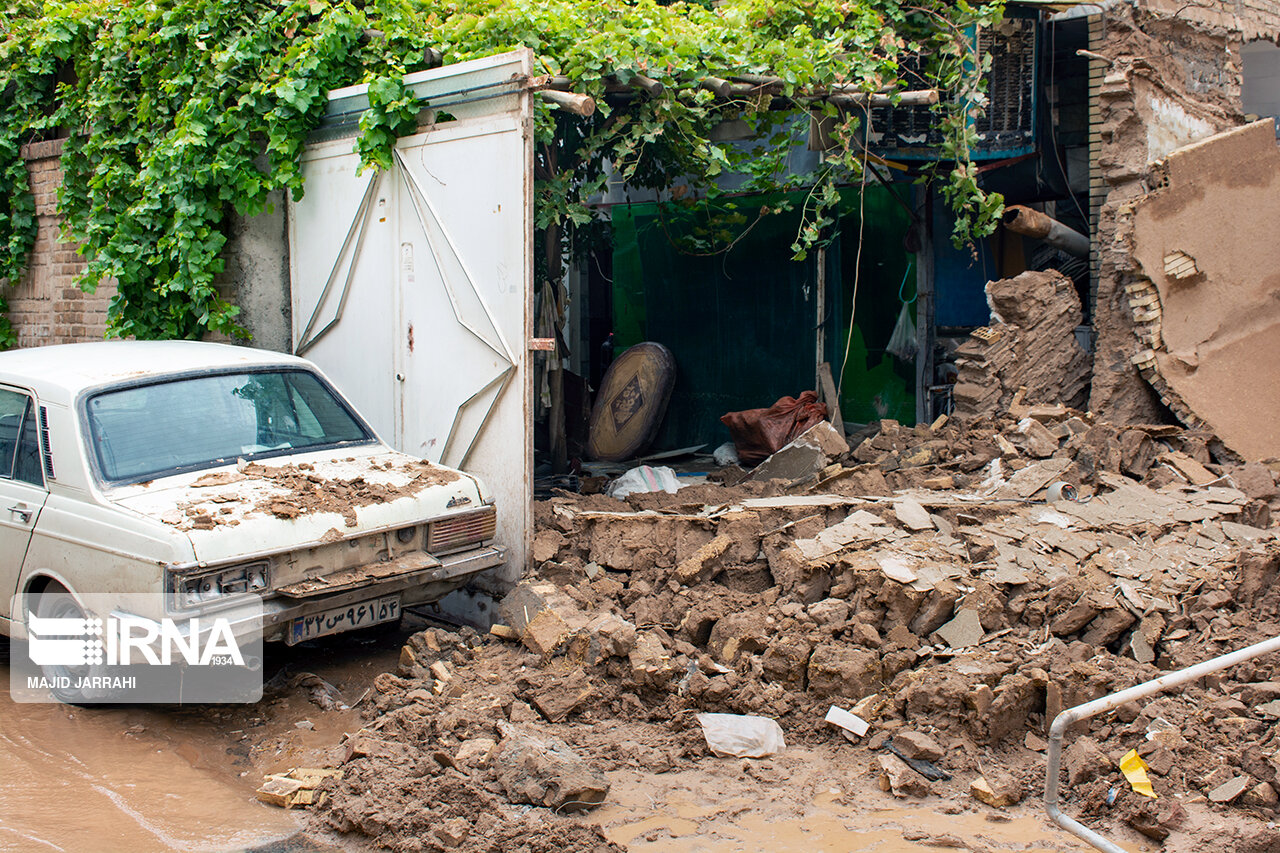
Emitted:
pixel 136 779
pixel 77 779
pixel 706 811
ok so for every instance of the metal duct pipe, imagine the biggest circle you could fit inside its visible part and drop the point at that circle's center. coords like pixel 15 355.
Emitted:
pixel 1107 703
pixel 1033 223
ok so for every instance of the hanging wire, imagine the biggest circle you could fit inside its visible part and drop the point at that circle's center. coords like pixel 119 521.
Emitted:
pixel 903 286
pixel 857 263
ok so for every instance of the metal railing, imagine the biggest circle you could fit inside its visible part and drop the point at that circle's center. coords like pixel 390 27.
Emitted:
pixel 1098 706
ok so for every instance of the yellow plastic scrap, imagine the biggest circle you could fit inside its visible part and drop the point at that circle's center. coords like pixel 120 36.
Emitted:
pixel 1135 770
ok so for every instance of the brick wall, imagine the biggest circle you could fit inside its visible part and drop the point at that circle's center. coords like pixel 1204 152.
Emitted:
pixel 47 307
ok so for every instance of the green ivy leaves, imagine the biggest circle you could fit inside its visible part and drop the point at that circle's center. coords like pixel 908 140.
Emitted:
pixel 393 112
pixel 177 114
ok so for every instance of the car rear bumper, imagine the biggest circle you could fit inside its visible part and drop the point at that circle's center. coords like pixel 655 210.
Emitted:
pixel 421 587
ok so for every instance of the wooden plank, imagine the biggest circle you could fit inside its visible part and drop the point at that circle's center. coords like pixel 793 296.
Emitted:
pixel 828 383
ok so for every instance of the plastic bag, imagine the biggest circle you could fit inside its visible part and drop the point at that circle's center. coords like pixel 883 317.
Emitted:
pixel 644 479
pixel 726 455
pixel 902 342
pixel 758 433
pixel 742 736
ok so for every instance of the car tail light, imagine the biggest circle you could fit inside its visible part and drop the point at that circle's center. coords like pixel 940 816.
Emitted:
pixel 454 532
pixel 192 590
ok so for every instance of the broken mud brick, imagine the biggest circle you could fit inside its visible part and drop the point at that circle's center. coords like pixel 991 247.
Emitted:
pixel 1230 790
pixel 544 771
pixel 1085 761
pixel 366 746
pixel 997 788
pixel 1035 439
pixel 804 456
pixel 786 661
pixel 1262 795
pixel 1033 345
pixel 475 753
pixel 701 565
pixel 914 744
pixel 841 671
pixel 899 779
pixel 1155 819
pixel 738 633
pixel 829 611
pixel 557 698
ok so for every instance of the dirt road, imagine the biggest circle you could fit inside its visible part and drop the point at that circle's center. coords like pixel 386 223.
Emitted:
pixel 142 779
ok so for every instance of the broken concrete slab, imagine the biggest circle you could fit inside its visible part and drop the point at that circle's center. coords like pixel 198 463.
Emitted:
pixel 963 631
pixel 805 456
pixel 912 515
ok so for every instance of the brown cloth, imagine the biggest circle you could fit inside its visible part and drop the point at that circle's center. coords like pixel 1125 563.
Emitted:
pixel 758 433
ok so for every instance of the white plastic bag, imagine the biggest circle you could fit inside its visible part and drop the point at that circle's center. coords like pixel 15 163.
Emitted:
pixel 902 342
pixel 644 479
pixel 726 455
pixel 742 736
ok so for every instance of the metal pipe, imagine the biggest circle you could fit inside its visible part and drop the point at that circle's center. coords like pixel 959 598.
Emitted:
pixel 1107 703
pixel 1033 223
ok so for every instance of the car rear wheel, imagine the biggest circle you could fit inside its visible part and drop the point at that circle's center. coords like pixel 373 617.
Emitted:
pixel 56 602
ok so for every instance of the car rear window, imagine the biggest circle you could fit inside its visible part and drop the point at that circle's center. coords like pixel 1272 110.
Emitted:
pixel 144 431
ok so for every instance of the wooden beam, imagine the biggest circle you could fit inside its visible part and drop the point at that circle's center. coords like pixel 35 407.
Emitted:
pixel 723 88
pixel 570 102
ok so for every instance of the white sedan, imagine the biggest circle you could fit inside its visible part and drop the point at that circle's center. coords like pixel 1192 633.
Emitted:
pixel 206 471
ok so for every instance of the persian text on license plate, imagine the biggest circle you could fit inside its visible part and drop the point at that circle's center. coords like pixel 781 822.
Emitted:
pixel 359 615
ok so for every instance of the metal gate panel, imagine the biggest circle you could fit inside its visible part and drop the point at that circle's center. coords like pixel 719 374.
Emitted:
pixel 340 239
pixel 415 292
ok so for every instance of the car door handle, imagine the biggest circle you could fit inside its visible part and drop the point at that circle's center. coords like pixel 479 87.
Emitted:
pixel 21 511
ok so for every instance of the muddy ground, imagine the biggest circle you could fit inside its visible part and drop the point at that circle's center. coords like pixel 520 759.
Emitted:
pixel 925 581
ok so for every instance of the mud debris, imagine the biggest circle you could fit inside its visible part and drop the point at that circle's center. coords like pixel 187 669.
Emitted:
pixel 781 599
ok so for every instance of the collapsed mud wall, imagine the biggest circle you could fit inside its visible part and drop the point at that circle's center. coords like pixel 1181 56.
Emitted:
pixel 1205 295
pixel 1030 345
pixel 1173 77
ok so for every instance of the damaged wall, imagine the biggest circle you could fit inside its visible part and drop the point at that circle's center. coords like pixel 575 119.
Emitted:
pixel 48 307
pixel 1205 290
pixel 1030 343
pixel 1173 76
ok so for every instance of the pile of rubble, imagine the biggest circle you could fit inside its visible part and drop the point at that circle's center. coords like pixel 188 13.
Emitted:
pixel 936 582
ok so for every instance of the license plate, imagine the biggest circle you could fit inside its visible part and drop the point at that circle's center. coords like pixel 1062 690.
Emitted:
pixel 359 615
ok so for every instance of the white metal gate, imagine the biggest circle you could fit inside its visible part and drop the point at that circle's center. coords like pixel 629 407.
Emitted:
pixel 412 288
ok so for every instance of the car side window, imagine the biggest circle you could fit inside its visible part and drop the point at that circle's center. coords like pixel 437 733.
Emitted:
pixel 19 438
pixel 12 407
pixel 26 463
